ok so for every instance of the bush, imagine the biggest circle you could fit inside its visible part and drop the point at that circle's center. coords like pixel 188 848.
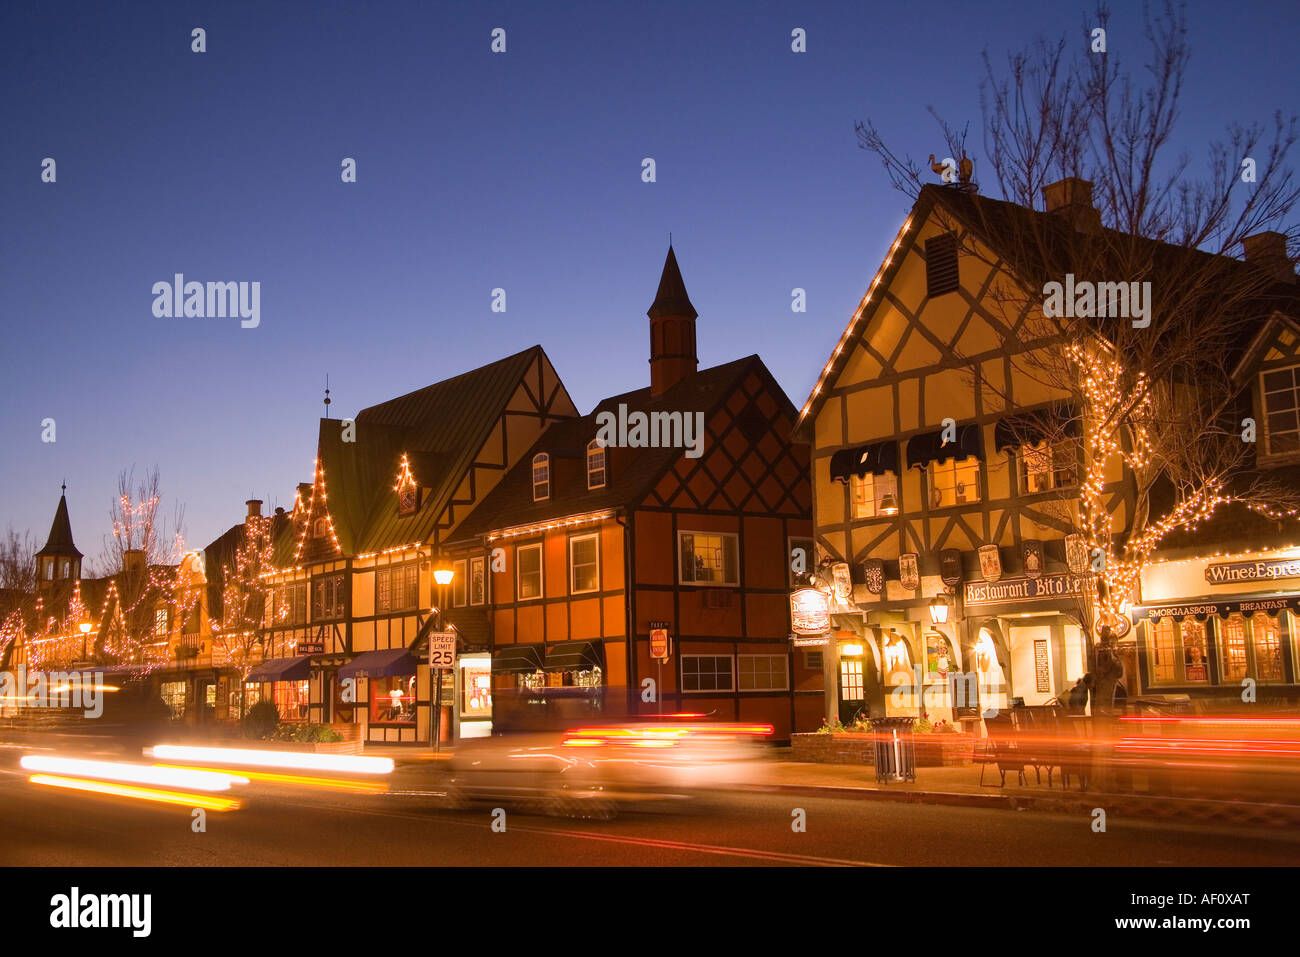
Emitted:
pixel 261 720
pixel 306 733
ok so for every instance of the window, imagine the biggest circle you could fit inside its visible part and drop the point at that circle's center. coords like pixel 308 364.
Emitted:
pixel 541 477
pixel 1267 632
pixel 1252 647
pixel 1195 667
pixel 160 622
pixel 595 465
pixel 320 528
pixel 706 672
pixel 1162 651
pixel 802 559
pixel 528 562
pixel 954 482
pixel 1232 647
pixel 813 660
pixel 1280 389
pixel 327 598
pixel 392 700
pixel 762 672
pixel 397 588
pixel 941 275
pixel 49 569
pixel 174 694
pixel 850 679
pixel 709 558
pixel 459 584
pixel 584 571
pixel 477 581
pixel 1178 651
pixel 294 598
pixel 65 570
pixel 1048 465
pixel 292 699
pixel 874 495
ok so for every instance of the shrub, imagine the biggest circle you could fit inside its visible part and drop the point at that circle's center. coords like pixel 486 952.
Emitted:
pixel 261 720
pixel 306 733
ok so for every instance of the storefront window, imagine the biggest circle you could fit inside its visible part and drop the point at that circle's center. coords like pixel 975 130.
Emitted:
pixel 476 692
pixel 1232 634
pixel 291 699
pixel 1163 667
pixel 175 693
pixel 392 700
pixel 1195 666
pixel 898 661
pixel 1268 633
pixel 939 657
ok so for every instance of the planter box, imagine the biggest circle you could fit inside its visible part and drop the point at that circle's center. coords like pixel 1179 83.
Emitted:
pixel 932 750
pixel 944 750
pixel 314 747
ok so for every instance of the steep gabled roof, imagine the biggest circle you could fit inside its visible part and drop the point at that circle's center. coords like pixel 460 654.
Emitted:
pixel 630 476
pixel 60 540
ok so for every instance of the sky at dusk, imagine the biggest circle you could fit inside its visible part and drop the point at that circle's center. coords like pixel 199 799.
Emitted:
pixel 475 171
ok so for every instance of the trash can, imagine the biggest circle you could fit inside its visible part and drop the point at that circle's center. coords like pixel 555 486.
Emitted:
pixel 895 749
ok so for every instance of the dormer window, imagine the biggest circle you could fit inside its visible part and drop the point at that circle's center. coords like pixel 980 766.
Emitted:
pixel 1280 389
pixel 320 528
pixel 595 465
pixel 541 477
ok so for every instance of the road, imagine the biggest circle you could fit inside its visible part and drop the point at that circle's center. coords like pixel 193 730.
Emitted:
pixel 280 826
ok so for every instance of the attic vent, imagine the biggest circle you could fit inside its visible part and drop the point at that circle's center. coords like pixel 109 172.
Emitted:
pixel 941 265
pixel 752 424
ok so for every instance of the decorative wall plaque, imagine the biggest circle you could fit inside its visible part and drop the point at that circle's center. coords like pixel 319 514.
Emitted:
pixel 1031 553
pixel 873 575
pixel 909 572
pixel 950 566
pixel 990 563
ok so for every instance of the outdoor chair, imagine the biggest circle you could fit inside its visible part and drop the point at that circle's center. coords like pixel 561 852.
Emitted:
pixel 1006 754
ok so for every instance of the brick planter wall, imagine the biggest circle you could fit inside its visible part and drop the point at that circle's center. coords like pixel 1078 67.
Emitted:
pixel 932 750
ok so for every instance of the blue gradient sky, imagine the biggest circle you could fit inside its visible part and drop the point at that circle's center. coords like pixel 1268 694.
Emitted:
pixel 475 171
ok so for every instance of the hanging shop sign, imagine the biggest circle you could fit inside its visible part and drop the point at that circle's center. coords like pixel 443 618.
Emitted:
pixel 1203 610
pixel 950 566
pixel 659 644
pixel 990 563
pixel 873 575
pixel 1118 625
pixel 843 581
pixel 1021 589
pixel 311 648
pixel 1229 573
pixel 809 612
pixel 909 573
pixel 1031 553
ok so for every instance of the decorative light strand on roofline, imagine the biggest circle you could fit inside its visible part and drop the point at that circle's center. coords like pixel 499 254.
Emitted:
pixel 518 530
pixel 857 316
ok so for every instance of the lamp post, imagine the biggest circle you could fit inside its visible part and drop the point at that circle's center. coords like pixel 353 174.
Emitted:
pixel 443 574
pixel 84 627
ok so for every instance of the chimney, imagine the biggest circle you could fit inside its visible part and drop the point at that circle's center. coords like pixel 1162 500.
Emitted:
pixel 672 331
pixel 1268 251
pixel 254 507
pixel 133 561
pixel 1071 199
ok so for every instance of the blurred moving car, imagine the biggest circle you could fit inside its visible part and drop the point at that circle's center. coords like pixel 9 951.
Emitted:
pixel 595 771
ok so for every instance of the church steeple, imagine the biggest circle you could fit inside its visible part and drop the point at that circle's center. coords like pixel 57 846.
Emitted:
pixel 59 560
pixel 672 331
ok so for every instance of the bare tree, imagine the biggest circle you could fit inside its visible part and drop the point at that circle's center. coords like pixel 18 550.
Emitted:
pixel 247 596
pixel 17 589
pixel 1152 398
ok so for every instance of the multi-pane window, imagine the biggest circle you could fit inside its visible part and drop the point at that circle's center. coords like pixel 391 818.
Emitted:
pixel 762 672
pixel 595 465
pixel 327 597
pixel 392 700
pixel 292 699
pixel 1281 391
pixel 320 528
pixel 459 584
pixel 851 679
pixel 1267 632
pixel 1179 651
pixel 706 673
pixel 709 558
pixel 1232 646
pixel 954 482
pixel 397 588
pixel 1195 664
pixel 477 580
pixel 813 660
pixel 1163 647
pixel 528 562
pixel 874 495
pixel 160 622
pixel 1048 465
pixel 541 477
pixel 584 573
pixel 294 598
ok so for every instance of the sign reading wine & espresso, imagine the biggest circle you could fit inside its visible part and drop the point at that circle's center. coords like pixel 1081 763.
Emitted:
pixel 1226 573
pixel 1021 589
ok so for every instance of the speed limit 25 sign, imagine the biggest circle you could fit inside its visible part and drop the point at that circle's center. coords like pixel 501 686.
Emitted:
pixel 442 649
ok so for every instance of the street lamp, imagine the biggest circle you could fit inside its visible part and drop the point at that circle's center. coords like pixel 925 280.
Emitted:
pixel 84 627
pixel 443 574
pixel 939 610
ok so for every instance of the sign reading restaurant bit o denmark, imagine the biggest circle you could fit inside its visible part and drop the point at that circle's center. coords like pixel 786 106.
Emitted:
pixel 1228 572
pixel 1020 589
pixel 809 612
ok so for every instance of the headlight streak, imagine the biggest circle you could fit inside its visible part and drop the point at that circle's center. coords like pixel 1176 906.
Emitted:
pixel 290 760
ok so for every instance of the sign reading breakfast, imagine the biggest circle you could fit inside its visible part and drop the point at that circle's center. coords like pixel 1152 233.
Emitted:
pixel 1227 573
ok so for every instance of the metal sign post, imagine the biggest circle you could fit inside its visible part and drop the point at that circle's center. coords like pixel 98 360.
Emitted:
pixel 442 654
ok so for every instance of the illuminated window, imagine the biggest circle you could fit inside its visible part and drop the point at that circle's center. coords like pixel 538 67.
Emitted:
pixel 709 558
pixel 1280 389
pixel 160 621
pixel 320 528
pixel 1195 666
pixel 392 700
pixel 706 673
pixel 1232 641
pixel 1162 646
pixel 874 495
pixel 954 482
pixel 174 693
pixel 476 692
pixel 850 679
pixel 1048 465
pixel 477 581
pixel 541 477
pixel 762 673
pixel 327 597
pixel 1267 632
pixel 293 600
pixel 397 588
pixel 528 561
pixel 584 573
pixel 65 570
pixel 1178 651
pixel 595 465
pixel 292 699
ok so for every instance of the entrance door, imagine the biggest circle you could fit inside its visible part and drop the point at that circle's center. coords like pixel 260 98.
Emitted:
pixel 852 694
